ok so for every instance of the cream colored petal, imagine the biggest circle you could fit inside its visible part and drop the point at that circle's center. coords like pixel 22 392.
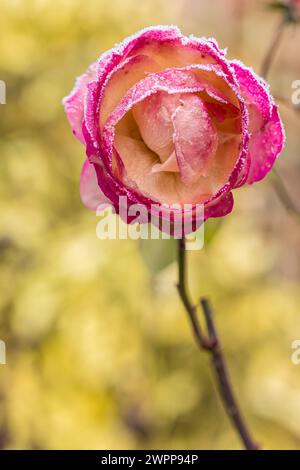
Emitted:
pixel 136 68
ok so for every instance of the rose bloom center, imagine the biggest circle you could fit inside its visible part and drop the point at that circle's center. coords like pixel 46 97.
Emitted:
pixel 175 148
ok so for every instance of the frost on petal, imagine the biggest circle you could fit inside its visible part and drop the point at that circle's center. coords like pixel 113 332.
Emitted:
pixel 254 89
pixel 74 103
pixel 219 207
pixel 90 193
pixel 195 138
pixel 153 101
pixel 154 118
pixel 122 79
pixel 170 81
pixel 266 129
pixel 169 47
pixel 264 147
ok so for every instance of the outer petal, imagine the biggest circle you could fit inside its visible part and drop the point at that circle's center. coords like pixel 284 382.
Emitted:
pixel 90 193
pixel 265 146
pixel 267 133
pixel 219 207
pixel 74 103
pixel 106 66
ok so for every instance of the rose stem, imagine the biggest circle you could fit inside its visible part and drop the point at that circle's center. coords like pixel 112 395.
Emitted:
pixel 276 181
pixel 273 47
pixel 283 195
pixel 212 346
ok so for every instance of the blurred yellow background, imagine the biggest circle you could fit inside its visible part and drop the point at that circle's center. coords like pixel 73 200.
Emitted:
pixel 99 350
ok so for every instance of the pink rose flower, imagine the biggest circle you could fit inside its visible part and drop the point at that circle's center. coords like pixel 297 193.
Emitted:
pixel 168 119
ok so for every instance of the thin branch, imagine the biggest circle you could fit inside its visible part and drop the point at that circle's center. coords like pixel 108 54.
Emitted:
pixel 190 308
pixel 211 345
pixel 276 181
pixel 283 195
pixel 271 52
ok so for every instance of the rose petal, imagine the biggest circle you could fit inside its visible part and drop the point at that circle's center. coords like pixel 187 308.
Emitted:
pixel 177 80
pixel 219 207
pixel 170 81
pixel 169 165
pixel 267 139
pixel 122 79
pixel 154 119
pixel 90 193
pixel 165 187
pixel 74 103
pixel 264 147
pixel 138 160
pixel 195 138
